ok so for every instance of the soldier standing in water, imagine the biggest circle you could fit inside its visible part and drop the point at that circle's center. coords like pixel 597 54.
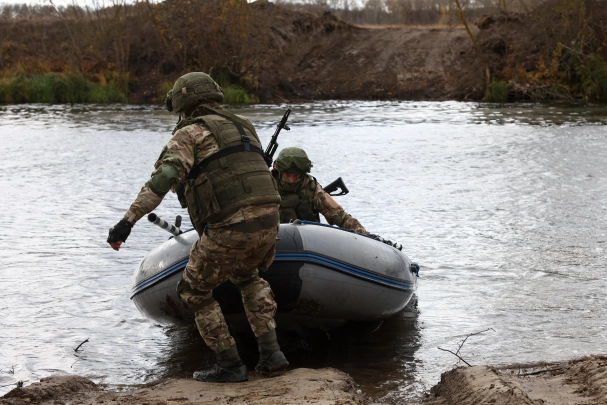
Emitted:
pixel 215 164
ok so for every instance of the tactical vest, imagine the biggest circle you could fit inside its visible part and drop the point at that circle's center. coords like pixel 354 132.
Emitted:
pixel 297 204
pixel 234 177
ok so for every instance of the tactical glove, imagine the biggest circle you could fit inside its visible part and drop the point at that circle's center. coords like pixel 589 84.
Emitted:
pixel 120 232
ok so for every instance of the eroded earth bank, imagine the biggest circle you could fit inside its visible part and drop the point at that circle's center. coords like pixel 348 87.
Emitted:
pixel 581 381
pixel 277 54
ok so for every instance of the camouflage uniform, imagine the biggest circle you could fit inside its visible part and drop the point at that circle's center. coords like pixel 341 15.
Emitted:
pixel 311 192
pixel 220 255
pixel 222 252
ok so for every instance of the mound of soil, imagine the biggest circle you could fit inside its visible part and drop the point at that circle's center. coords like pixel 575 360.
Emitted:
pixel 49 389
pixel 582 381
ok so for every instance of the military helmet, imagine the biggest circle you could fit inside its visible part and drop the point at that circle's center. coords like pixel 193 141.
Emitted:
pixel 192 89
pixel 293 160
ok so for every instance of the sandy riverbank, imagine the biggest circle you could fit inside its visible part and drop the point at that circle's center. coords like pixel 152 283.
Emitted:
pixel 299 386
pixel 581 381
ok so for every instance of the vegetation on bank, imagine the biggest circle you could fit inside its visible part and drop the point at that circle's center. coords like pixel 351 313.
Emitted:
pixel 557 51
pixel 57 88
pixel 586 80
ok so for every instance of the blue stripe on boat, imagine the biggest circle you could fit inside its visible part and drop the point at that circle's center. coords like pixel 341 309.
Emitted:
pixel 294 257
pixel 177 267
pixel 345 268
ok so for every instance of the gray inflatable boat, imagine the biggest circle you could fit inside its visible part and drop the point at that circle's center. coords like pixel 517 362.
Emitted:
pixel 322 277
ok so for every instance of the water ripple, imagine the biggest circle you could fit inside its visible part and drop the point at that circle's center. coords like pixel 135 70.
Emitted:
pixel 502 205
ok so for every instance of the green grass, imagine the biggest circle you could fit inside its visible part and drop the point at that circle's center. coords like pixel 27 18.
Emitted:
pixel 235 95
pixel 232 93
pixel 56 88
pixel 497 92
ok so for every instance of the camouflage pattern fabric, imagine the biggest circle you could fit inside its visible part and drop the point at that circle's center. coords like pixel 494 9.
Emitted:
pixel 327 206
pixel 333 212
pixel 220 255
pixel 188 147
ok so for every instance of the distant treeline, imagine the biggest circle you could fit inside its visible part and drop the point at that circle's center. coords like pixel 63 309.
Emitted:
pixel 410 12
pixel 364 12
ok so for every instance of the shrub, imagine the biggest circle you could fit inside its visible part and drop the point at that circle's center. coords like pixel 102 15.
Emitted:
pixel 497 92
pixel 235 95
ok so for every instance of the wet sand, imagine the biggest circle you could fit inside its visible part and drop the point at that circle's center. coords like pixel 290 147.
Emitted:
pixel 299 386
pixel 581 381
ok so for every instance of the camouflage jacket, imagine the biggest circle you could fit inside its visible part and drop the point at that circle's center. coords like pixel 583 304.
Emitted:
pixel 188 147
pixel 322 203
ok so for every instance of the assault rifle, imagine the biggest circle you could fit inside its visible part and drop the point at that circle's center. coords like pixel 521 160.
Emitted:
pixel 336 184
pixel 268 154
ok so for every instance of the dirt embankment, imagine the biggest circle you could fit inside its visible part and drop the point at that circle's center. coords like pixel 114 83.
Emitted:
pixel 326 58
pixel 302 56
pixel 581 382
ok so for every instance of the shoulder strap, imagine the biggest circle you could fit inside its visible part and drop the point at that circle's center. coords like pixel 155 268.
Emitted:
pixel 196 170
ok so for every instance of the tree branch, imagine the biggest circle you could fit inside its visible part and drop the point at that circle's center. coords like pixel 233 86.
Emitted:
pixel 76 349
pixel 461 344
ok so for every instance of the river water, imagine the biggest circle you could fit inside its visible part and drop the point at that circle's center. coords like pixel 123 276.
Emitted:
pixel 503 206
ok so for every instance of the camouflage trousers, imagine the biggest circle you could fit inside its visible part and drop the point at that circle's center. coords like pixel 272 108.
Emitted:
pixel 220 255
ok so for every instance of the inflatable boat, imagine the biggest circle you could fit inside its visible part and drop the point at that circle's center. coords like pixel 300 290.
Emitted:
pixel 322 277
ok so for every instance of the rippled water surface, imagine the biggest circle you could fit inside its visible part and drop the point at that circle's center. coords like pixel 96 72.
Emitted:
pixel 504 207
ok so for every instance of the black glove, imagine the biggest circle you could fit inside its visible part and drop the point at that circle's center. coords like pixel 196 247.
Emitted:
pixel 120 231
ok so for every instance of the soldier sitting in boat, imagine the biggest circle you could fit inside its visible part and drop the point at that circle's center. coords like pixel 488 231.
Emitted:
pixel 302 195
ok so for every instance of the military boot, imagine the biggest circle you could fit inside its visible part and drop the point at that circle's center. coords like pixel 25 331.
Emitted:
pixel 229 368
pixel 271 359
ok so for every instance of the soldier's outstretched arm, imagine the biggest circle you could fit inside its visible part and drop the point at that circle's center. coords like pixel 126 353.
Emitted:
pixel 334 213
pixel 173 165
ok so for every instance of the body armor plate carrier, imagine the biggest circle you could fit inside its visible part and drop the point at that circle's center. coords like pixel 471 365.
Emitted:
pixel 298 204
pixel 234 177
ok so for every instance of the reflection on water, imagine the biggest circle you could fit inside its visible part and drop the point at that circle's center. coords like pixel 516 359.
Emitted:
pixel 503 206
pixel 378 355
